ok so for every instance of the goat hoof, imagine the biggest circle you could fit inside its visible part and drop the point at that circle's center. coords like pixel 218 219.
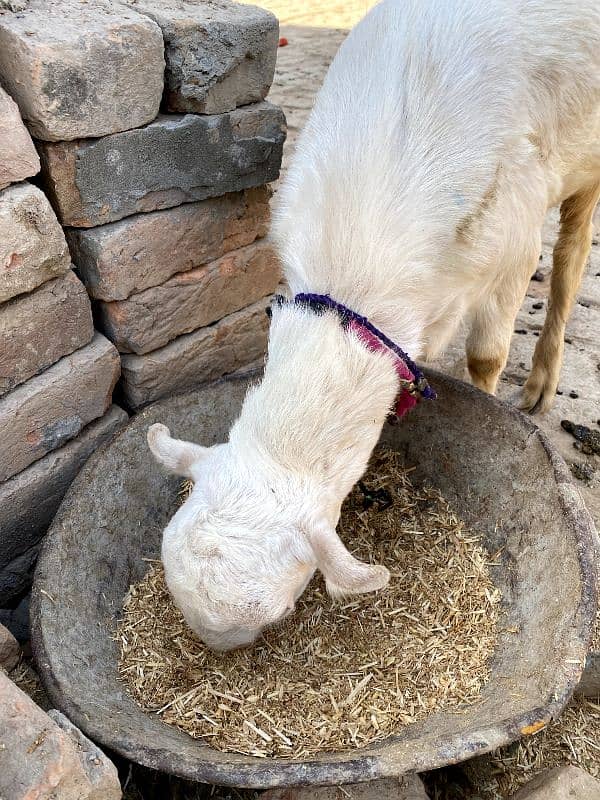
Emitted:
pixel 535 402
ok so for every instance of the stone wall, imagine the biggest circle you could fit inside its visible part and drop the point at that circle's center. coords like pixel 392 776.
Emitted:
pixel 136 149
pixel 56 373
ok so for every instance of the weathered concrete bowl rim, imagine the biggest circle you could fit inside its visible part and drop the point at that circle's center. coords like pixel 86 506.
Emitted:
pixel 375 761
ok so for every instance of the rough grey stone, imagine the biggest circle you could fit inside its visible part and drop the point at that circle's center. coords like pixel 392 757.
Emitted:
pixel 48 410
pixel 18 156
pixel 219 55
pixel 37 329
pixel 100 772
pixel 589 685
pixel 32 245
pixel 190 300
pixel 174 160
pixel 45 760
pixel 131 255
pixel 81 69
pixel 197 357
pixel 561 783
pixel 10 652
pixel 29 500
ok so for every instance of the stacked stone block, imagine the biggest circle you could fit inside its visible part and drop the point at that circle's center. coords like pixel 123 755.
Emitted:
pixel 154 147
pixel 158 169
pixel 56 373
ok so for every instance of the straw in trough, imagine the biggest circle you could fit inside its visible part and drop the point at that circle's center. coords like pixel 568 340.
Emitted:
pixel 334 675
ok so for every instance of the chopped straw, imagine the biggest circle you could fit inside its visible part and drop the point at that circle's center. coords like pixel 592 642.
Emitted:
pixel 595 643
pixel 335 675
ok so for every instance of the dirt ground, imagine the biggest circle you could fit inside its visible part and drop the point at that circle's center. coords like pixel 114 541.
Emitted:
pixel 314 31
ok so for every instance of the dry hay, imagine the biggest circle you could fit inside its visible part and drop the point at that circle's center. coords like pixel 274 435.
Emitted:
pixel 27 679
pixel 335 675
pixel 572 739
pixel 595 643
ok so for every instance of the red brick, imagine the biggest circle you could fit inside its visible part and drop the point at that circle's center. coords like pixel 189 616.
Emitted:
pixel 79 70
pixel 33 248
pixel 190 300
pixel 193 359
pixel 121 258
pixel 18 156
pixel 44 760
pixel 48 410
pixel 37 329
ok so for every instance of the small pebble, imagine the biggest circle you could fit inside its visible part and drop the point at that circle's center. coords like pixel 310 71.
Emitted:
pixel 283 42
pixel 537 276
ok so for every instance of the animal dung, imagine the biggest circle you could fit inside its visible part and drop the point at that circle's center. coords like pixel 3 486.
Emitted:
pixel 336 674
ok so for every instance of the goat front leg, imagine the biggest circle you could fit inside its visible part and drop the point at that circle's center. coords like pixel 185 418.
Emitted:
pixel 569 258
pixel 492 325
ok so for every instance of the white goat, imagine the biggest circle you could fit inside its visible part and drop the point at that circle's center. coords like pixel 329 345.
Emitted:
pixel 441 136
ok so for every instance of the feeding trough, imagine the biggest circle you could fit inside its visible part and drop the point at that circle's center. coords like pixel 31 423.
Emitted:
pixel 492 463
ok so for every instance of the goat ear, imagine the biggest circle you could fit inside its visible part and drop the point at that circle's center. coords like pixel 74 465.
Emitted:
pixel 174 455
pixel 344 574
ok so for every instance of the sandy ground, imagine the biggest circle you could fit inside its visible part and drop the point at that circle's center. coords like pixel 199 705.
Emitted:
pixel 314 31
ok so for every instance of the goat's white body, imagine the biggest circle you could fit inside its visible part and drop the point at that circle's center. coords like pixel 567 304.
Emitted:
pixel 416 195
pixel 426 106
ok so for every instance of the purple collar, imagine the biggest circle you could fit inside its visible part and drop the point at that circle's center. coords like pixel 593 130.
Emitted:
pixel 413 384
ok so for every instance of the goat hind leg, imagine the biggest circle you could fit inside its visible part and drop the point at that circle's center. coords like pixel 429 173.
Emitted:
pixel 569 258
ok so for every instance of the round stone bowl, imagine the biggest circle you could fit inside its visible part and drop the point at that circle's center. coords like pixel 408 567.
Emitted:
pixel 495 466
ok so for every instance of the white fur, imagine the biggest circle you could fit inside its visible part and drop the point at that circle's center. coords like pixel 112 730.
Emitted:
pixel 442 134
